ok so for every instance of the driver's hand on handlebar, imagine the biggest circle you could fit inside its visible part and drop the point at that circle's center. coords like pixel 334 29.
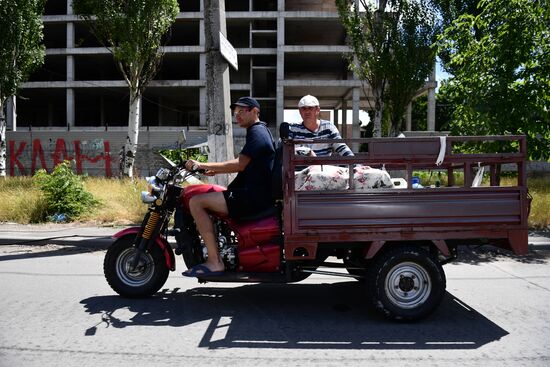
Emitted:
pixel 194 166
pixel 191 165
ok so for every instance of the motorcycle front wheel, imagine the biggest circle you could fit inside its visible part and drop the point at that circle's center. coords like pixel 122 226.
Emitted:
pixel 145 279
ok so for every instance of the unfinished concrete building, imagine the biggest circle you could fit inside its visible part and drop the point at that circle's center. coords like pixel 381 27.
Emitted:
pixel 285 49
pixel 76 105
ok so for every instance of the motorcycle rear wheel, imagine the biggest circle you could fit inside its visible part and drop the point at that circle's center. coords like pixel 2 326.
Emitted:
pixel 145 280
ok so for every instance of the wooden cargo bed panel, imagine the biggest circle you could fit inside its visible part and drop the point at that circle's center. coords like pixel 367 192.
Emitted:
pixel 390 210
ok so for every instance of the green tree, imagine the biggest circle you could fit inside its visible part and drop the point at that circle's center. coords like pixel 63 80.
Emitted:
pixel 443 110
pixel 449 11
pixel 392 51
pixel 367 36
pixel 412 58
pixel 132 30
pixel 21 52
pixel 501 65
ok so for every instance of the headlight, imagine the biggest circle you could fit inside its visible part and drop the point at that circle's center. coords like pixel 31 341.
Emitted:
pixel 154 190
pixel 147 198
pixel 163 174
pixel 153 185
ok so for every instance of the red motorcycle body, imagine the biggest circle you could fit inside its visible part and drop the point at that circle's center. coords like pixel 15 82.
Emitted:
pixel 258 248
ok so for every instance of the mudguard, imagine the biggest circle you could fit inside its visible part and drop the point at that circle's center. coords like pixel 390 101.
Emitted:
pixel 159 241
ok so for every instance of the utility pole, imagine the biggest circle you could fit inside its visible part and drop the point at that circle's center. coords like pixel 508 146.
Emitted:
pixel 218 98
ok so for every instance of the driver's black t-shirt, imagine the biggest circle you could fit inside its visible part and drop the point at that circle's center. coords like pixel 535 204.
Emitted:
pixel 250 191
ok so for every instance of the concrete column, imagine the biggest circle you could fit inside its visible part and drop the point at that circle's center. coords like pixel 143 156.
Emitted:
pixel 356 124
pixel 344 131
pixel 218 99
pixel 202 71
pixel 11 116
pixel 280 63
pixel 202 105
pixel 431 104
pixel 70 109
pixel 408 117
pixel 250 65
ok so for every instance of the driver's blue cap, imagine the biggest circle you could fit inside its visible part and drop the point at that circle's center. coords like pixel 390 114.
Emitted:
pixel 246 102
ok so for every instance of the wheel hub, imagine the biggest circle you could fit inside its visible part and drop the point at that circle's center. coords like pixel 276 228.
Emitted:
pixel 139 275
pixel 408 285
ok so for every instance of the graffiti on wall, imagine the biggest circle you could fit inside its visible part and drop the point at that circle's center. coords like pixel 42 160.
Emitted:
pixel 96 153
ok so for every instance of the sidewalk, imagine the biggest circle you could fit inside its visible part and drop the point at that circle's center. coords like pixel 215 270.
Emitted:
pixel 539 239
pixel 73 234
pixel 88 235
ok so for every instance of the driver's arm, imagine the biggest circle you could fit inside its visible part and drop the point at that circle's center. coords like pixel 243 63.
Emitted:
pixel 234 165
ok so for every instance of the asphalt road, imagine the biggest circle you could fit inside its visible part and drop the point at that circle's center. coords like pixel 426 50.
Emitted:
pixel 57 310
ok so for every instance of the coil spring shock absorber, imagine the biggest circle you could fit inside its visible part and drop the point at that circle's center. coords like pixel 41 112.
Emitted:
pixel 151 225
pixel 145 237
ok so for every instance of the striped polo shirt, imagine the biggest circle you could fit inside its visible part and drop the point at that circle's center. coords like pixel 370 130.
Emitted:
pixel 326 130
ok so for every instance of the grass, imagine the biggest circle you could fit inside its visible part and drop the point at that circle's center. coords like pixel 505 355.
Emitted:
pixel 120 203
pixel 20 201
pixel 120 200
pixel 539 217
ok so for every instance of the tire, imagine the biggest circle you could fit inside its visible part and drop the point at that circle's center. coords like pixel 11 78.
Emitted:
pixel 149 277
pixel 405 283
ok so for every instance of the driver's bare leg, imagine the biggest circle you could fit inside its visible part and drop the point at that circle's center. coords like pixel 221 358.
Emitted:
pixel 200 205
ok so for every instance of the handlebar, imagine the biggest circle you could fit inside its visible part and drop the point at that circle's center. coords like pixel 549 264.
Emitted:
pixel 200 170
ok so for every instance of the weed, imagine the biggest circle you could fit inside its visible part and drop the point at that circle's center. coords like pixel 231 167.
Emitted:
pixel 64 193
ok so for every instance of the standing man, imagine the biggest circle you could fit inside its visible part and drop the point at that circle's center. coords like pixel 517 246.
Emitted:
pixel 314 128
pixel 248 193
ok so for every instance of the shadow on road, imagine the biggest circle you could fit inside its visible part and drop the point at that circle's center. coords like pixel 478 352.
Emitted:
pixel 51 247
pixel 484 254
pixel 303 316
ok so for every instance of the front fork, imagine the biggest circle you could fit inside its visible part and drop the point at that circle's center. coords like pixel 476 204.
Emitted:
pixel 150 229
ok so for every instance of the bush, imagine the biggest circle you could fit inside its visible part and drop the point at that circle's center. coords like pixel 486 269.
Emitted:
pixel 179 155
pixel 64 193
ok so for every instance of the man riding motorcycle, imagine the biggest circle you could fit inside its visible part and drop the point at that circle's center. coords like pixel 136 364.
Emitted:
pixel 248 193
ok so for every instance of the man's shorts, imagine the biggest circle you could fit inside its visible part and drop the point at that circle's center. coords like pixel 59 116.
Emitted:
pixel 243 203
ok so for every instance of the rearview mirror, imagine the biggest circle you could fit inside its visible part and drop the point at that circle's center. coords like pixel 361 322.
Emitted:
pixel 284 130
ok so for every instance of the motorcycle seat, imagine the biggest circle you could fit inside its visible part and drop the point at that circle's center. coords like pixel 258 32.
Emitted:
pixel 269 212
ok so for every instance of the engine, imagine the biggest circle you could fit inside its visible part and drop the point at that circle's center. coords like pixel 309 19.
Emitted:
pixel 227 245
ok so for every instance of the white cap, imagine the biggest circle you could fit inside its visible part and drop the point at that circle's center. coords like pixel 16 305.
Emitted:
pixel 308 101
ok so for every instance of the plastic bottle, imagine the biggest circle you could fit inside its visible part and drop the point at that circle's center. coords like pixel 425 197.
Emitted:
pixel 416 183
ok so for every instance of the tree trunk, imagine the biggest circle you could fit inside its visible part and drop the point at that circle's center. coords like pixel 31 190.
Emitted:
pixel 378 113
pixel 130 148
pixel 2 140
pixel 378 90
